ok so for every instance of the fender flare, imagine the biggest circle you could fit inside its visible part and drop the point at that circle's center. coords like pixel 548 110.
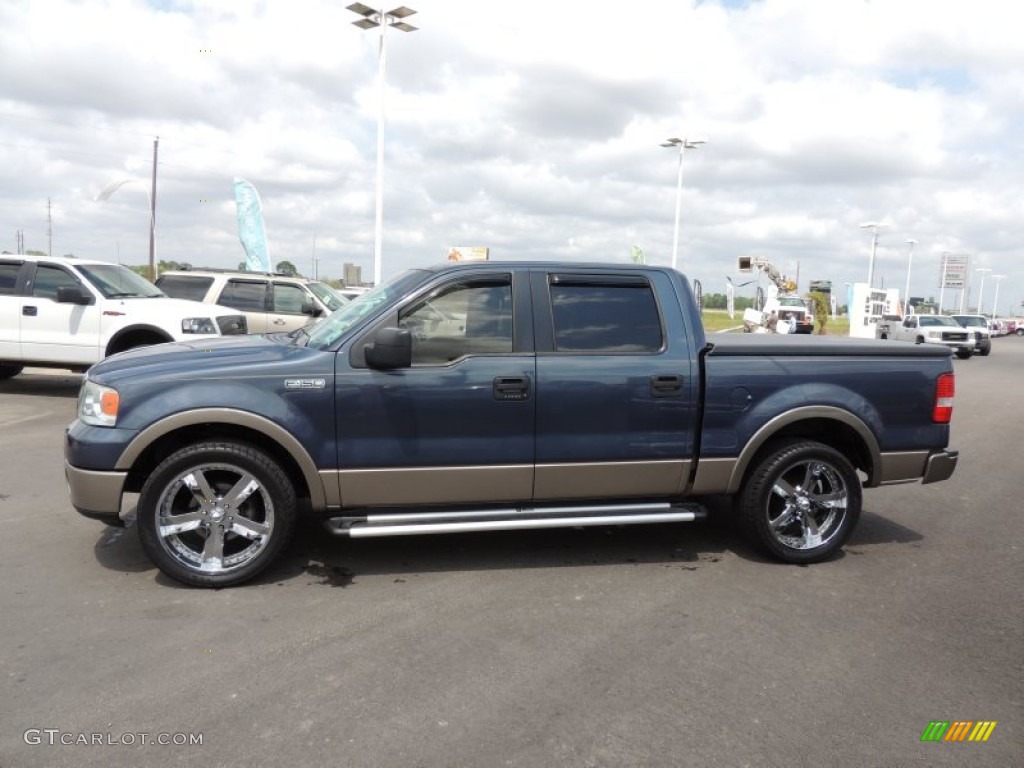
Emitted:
pixel 153 329
pixel 260 424
pixel 770 428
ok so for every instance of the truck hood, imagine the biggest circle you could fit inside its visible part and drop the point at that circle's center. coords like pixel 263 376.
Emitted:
pixel 231 356
pixel 170 307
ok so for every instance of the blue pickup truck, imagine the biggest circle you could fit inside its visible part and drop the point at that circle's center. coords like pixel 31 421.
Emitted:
pixel 501 396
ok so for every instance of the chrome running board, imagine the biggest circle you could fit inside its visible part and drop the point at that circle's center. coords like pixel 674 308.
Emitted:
pixel 511 519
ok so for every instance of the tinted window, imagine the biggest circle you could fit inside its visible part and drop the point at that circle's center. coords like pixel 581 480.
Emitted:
pixel 245 295
pixel 605 317
pixel 288 299
pixel 8 276
pixel 468 318
pixel 192 287
pixel 49 279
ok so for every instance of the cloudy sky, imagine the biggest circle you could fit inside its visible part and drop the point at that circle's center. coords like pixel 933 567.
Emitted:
pixel 529 127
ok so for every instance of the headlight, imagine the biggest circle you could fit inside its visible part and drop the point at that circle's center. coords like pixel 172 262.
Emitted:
pixel 97 405
pixel 199 325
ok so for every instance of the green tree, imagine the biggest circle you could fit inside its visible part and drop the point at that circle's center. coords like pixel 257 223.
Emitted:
pixel 822 304
pixel 287 268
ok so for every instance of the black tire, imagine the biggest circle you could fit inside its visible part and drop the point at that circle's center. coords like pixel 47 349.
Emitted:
pixel 1020 331
pixel 9 371
pixel 986 350
pixel 963 354
pixel 800 501
pixel 216 544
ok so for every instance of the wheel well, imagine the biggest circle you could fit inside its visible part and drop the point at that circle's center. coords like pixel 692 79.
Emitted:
pixel 835 434
pixel 136 337
pixel 150 458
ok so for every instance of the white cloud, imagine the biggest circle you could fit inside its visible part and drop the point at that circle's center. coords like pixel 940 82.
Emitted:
pixel 529 127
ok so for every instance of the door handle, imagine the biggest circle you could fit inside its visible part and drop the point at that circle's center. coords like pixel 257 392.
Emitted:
pixel 30 310
pixel 511 387
pixel 667 385
pixel 278 321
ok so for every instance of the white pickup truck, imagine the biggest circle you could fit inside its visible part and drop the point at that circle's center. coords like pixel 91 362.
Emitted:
pixel 927 329
pixel 71 313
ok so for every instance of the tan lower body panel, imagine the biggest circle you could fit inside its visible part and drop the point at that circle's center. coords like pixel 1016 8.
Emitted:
pixel 434 485
pixel 610 480
pixel 509 483
pixel 713 476
pixel 902 466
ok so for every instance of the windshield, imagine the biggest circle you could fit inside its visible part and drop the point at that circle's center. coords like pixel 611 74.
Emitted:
pixel 116 282
pixel 331 298
pixel 332 327
pixel 969 321
pixel 935 320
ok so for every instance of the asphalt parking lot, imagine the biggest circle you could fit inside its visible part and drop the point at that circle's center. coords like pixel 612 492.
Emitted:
pixel 672 645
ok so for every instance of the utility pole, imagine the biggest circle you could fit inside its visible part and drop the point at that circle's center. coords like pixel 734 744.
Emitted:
pixel 49 228
pixel 152 217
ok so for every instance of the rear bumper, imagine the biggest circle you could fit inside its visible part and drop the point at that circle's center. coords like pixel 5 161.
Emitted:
pixel 96 495
pixel 940 466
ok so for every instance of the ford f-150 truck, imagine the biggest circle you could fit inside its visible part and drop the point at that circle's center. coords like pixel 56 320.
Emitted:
pixel 499 396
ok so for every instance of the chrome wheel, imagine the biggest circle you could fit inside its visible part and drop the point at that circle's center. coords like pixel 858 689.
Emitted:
pixel 214 518
pixel 216 514
pixel 800 501
pixel 807 505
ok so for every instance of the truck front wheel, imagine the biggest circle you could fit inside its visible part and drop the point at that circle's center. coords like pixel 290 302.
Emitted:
pixel 9 371
pixel 215 514
pixel 801 501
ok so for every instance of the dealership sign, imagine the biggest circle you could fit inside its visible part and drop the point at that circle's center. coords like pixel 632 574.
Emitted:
pixel 954 271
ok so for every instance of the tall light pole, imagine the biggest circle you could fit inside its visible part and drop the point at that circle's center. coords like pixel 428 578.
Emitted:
pixel 995 302
pixel 873 226
pixel 683 145
pixel 981 288
pixel 371 17
pixel 910 257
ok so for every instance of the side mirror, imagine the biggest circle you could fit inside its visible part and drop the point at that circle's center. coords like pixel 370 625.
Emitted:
pixel 391 348
pixel 309 308
pixel 73 295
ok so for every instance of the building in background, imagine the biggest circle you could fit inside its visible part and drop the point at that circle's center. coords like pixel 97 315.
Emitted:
pixel 351 274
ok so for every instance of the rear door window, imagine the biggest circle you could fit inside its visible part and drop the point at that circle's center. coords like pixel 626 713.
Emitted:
pixel 605 315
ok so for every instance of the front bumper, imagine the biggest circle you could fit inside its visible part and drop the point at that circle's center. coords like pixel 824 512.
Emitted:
pixel 96 494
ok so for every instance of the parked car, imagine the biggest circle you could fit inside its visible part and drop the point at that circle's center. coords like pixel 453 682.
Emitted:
pixel 977 325
pixel 70 313
pixel 545 395
pixel 271 302
pixel 928 329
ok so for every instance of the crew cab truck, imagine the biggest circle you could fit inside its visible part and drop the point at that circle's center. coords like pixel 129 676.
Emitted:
pixel 496 396
pixel 928 329
pixel 70 313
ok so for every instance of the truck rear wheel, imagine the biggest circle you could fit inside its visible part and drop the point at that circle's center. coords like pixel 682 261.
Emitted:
pixel 9 371
pixel 801 501
pixel 215 514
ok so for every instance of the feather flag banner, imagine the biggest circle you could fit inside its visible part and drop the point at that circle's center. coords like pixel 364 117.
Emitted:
pixel 251 231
